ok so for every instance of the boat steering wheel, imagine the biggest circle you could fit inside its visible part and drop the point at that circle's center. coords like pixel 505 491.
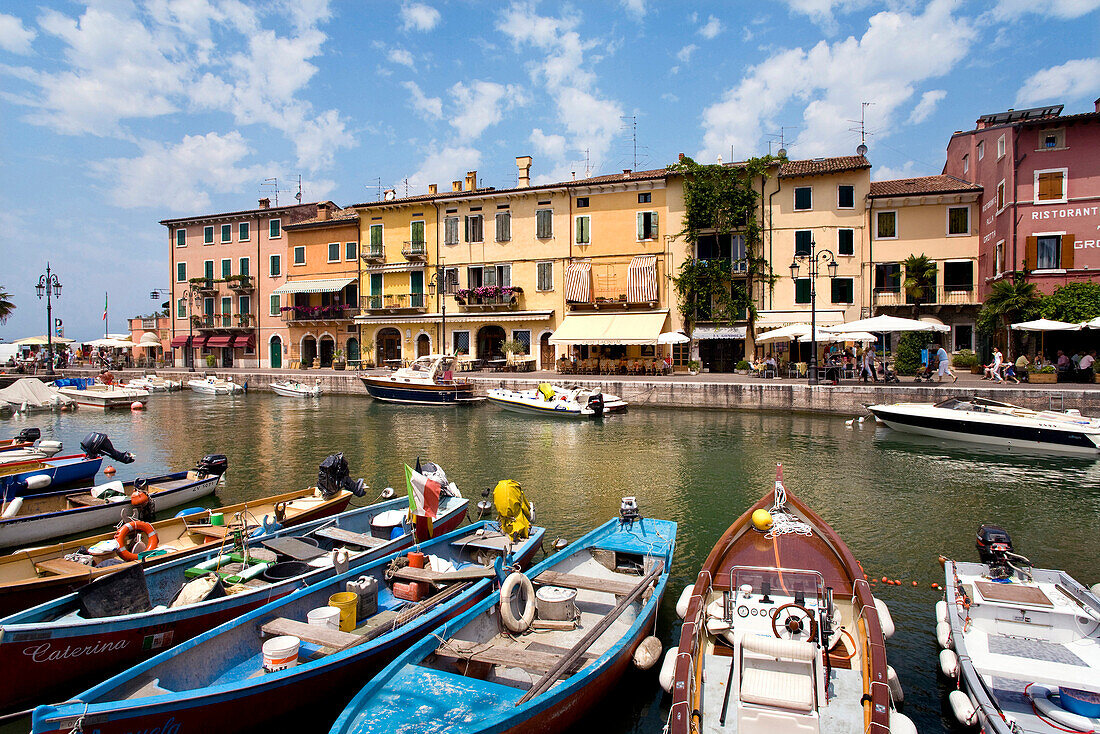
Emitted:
pixel 797 621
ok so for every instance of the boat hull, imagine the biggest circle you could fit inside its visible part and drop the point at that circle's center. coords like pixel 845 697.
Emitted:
pixel 412 394
pixel 533 408
pixel 105 399
pixel 292 392
pixel 62 471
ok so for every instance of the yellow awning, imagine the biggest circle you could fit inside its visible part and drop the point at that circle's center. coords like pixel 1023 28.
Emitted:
pixel 607 328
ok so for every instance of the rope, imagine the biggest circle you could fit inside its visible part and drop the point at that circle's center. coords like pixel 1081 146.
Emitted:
pixel 784 522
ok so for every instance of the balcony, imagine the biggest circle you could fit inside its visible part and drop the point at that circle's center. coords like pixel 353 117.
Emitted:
pixel 489 298
pixel 396 302
pixel 246 321
pixel 611 289
pixel 205 286
pixel 317 314
pixel 241 283
pixel 415 251
pixel 951 295
pixel 373 254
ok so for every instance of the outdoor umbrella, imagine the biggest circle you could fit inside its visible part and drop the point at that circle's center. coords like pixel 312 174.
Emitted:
pixel 886 324
pixel 1044 325
pixel 785 333
pixel 41 341
pixel 1094 324
pixel 827 336
pixel 672 337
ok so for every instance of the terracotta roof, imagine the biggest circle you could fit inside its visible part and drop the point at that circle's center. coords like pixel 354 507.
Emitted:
pixel 245 212
pixel 816 166
pixel 337 218
pixel 941 184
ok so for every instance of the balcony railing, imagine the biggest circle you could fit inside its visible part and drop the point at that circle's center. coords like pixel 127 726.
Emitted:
pixel 148 324
pixel 241 283
pixel 415 251
pixel 950 295
pixel 373 254
pixel 395 302
pixel 489 298
pixel 337 312
pixel 205 286
pixel 224 321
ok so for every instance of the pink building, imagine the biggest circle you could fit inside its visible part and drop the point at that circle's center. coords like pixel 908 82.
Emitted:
pixel 153 335
pixel 1040 206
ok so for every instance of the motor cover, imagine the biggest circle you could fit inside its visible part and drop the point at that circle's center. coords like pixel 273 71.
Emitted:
pixel 97 444
pixel 213 465
pixel 29 435
pixel 333 476
pixel 992 543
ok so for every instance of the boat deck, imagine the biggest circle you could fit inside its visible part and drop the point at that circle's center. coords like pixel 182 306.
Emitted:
pixel 789 551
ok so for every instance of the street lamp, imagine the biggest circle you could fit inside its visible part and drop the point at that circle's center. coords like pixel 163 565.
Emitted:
pixel 192 294
pixel 814 259
pixel 439 281
pixel 49 286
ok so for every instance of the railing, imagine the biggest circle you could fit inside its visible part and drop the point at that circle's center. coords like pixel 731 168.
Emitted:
pixel 242 283
pixel 246 321
pixel 415 250
pixel 950 295
pixel 395 302
pixel 337 312
pixel 208 286
pixel 489 298
pixel 149 324
pixel 373 253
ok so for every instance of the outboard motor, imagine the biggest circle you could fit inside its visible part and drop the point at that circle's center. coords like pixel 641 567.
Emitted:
pixel 333 476
pixel 595 402
pixel 995 549
pixel 28 435
pixel 97 444
pixel 213 465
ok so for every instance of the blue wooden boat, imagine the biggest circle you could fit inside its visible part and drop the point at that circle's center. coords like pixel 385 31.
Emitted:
pixel 35 475
pixel 472 675
pixel 59 645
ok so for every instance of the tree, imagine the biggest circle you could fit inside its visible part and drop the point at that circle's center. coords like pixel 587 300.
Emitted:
pixel 920 280
pixel 7 306
pixel 1074 302
pixel 907 354
pixel 1008 301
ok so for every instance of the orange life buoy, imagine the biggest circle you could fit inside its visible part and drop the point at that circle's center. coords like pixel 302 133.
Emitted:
pixel 135 526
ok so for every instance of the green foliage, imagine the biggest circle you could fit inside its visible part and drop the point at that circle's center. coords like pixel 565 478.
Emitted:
pixel 907 355
pixel 742 365
pixel 694 365
pixel 965 359
pixel 1074 302
pixel 210 360
pixel 7 306
pixel 920 278
pixel 704 289
pixel 1045 370
pixel 514 347
pixel 1008 301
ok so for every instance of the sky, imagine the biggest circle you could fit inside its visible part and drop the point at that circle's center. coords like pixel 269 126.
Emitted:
pixel 117 114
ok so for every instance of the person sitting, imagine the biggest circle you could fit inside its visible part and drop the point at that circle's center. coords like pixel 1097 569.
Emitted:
pixel 1085 369
pixel 1021 370
pixel 993 369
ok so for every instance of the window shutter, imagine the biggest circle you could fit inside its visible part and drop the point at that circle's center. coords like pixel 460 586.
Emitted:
pixel 653 227
pixel 466 224
pixel 641 226
pixel 1067 251
pixel 1031 253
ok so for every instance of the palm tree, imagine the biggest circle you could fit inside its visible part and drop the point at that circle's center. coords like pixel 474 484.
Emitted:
pixel 1008 301
pixel 6 305
pixel 920 280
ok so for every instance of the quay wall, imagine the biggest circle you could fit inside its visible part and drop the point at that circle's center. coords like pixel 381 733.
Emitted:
pixel 700 392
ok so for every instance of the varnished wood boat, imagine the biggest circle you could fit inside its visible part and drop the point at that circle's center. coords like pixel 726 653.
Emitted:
pixel 33 576
pixel 781 633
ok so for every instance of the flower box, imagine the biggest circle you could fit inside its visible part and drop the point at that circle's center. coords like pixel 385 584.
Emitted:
pixel 1043 378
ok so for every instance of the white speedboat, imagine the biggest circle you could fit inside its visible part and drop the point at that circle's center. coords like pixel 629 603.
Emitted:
pixel 1023 644
pixel 98 395
pixel 295 389
pixel 547 399
pixel 154 383
pixel 988 421
pixel 215 386
pixel 429 380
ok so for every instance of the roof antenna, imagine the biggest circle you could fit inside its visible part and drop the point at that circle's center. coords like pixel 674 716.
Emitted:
pixel 274 184
pixel 861 149
pixel 298 196
pixel 632 122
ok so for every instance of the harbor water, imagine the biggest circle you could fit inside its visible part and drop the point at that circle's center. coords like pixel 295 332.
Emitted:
pixel 898 501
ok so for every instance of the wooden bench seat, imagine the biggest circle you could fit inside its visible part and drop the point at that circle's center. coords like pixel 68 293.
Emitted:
pixel 63 567
pixel 336 640
pixel 534 661
pixel 588 583
pixel 408 573
pixel 347 536
pixel 85 500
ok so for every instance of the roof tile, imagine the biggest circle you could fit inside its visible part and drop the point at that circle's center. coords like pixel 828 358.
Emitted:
pixel 816 166
pixel 942 184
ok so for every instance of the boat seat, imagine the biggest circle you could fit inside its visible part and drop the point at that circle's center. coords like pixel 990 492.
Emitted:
pixel 326 637
pixel 775 688
pixel 776 648
pixel 347 536
pixel 84 500
pixel 584 583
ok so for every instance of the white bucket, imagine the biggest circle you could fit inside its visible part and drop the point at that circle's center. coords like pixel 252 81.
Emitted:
pixel 324 617
pixel 281 653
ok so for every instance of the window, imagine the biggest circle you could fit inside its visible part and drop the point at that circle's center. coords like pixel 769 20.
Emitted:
pixel 802 242
pixel 1049 252
pixel 181 308
pixel 227 305
pixel 647 226
pixel 375 300
pixel 208 235
pixel 966 164
pixel 584 229
pixel 1050 185
pixel 544 273
pixel 523 336
pixel 479 275
pixel 801 290
pixel 958 220
pixel 208 307
pixel 645 198
pixel 845 242
pixel 450 231
pixel 504 226
pixel 244 305
pixel 886 226
pixel 333 252
pixel 181 238
pixel 999 258
pixel 351 251
pixel 274 305
pixel 803 198
pixel 888 277
pixel 227 233
pixel 681 354
pixel 845 197
pixel 582 201
pixel 738 259
pixel 242 266
pixel 227 268
pixel 275 228
pixel 416 232
pixel 244 232
pixel 843 290
pixel 1001 147
pixel 450 280
pixel 964 336
pixel 958 275
pixel 181 272
pixel 474 228
pixel 460 342
pixel 416 288
pixel 981 149
pixel 1052 139
pixel 275 266
pixel 208 272
pixel 544 224
pixel 1000 196
pixel 351 295
pixel 300 255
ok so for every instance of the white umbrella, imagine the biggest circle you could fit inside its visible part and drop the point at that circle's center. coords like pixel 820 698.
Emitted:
pixel 149 338
pixel 884 324
pixel 785 333
pixel 855 336
pixel 672 337
pixel 1047 325
pixel 1094 324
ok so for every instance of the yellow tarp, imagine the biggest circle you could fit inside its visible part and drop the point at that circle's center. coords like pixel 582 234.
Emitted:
pixel 513 508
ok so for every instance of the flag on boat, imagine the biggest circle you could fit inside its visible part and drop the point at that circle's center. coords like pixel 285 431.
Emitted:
pixel 423 493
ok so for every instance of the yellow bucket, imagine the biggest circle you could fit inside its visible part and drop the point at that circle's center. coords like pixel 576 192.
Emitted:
pixel 346 602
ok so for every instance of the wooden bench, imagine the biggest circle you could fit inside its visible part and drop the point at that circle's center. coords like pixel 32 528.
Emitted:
pixel 534 661
pixel 63 567
pixel 209 531
pixel 85 500
pixel 347 536
pixel 408 573
pixel 323 636
pixel 588 583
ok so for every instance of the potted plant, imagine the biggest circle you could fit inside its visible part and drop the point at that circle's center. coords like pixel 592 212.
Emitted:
pixel 965 359
pixel 338 361
pixel 693 367
pixel 1045 376
pixel 210 360
pixel 743 367
pixel 511 348
pixel 366 354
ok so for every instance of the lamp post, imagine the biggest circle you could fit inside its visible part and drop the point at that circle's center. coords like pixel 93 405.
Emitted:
pixel 49 286
pixel 439 281
pixel 813 259
pixel 192 292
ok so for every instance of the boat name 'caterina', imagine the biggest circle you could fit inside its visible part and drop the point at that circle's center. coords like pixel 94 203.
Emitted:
pixel 45 653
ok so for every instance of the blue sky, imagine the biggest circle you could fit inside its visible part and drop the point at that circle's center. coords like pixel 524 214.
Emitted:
pixel 117 114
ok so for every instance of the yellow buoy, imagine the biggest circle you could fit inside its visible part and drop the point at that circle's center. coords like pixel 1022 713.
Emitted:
pixel 762 520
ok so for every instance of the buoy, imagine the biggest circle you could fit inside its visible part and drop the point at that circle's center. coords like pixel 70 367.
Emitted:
pixel 13 508
pixel 885 580
pixel 963 709
pixel 387 493
pixel 897 695
pixel 1095 589
pixel 762 520
pixel 516 625
pixel 914 583
pixel 885 621
pixel 943 561
pixel 849 423
pixel 647 653
pixel 943 635
pixel 560 543
pixel 935 585
pixel 109 471
pixel 941 611
pixel 901 724
pixel 1040 696
pixel 668 670
pixel 137 405
pixel 949 664
pixel 682 602
pixel 38 481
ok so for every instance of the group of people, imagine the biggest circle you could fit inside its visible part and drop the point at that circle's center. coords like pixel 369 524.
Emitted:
pixel 1078 368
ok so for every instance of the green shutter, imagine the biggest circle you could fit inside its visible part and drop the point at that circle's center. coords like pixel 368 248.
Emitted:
pixel 641 226
pixel 653 229
pixel 244 266
pixel 376 235
pixel 417 232
pixel 802 290
pixel 227 268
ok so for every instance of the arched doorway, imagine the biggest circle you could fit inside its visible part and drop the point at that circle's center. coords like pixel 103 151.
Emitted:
pixel 275 353
pixel 489 341
pixel 423 345
pixel 309 351
pixel 328 349
pixel 546 351
pixel 388 345
pixel 352 349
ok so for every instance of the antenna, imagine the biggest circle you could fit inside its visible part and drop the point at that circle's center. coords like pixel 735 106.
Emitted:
pixel 273 183
pixel 298 196
pixel 782 152
pixel 632 123
pixel 587 163
pixel 861 149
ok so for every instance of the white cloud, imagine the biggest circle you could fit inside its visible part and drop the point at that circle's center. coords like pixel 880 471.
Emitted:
pixel 548 144
pixel 430 108
pixel 926 106
pixel 898 51
pixel 1069 81
pixel 1063 9
pixel 13 36
pixel 420 17
pixel 636 8
pixel 445 164
pixel 481 104
pixel 711 28
pixel 906 170
pixel 684 54
pixel 400 56
pixel 821 11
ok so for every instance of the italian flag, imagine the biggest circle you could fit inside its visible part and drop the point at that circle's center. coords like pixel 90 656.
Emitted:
pixel 104 305
pixel 423 493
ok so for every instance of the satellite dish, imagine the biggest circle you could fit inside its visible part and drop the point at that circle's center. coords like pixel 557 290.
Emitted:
pixel 782 152
pixel 391 195
pixel 861 149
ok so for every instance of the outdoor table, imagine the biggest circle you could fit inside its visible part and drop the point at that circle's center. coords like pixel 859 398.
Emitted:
pixel 497 365
pixel 393 364
pixel 469 365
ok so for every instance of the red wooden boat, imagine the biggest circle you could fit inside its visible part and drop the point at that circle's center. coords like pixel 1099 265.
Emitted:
pixel 781 633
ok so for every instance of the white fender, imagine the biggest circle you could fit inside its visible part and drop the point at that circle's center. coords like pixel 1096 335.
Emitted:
pixel 884 619
pixel 1095 589
pixel 941 611
pixel 647 653
pixel 716 609
pixel 949 664
pixel 38 481
pixel 834 621
pixel 1040 696
pixel 897 695
pixel 943 635
pixel 514 625
pixel 963 709
pixel 13 508
pixel 682 602
pixel 901 724
pixel 668 670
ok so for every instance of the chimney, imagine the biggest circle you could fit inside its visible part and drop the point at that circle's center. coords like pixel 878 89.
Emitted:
pixel 323 213
pixel 523 163
pixel 456 186
pixel 433 189
pixel 626 173
pixel 681 158
pixel 265 203
pixel 471 180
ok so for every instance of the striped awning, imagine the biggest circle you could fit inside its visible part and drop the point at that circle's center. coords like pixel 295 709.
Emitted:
pixel 324 285
pixel 578 282
pixel 219 341
pixel 642 279
pixel 243 340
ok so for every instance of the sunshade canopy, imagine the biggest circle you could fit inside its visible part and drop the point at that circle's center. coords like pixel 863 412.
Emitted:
pixel 676 337
pixel 1046 325
pixel 1094 324
pixel 719 332
pixel 323 285
pixel 31 341
pixel 605 328
pixel 784 333
pixel 149 338
pixel 885 324
pixel 828 336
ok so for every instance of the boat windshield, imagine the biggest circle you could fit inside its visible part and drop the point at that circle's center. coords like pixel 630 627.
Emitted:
pixel 422 364
pixel 977 404
pixel 781 582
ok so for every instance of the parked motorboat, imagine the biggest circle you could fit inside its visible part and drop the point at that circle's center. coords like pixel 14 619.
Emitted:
pixel 213 385
pixel 154 383
pixel 32 475
pixel 983 420
pixel 39 450
pixel 295 389
pixel 429 380
pixel 781 633
pixel 28 394
pixel 1021 643
pixel 221 673
pixel 23 440
pixel 547 399
pixel 98 395
pixel 491 670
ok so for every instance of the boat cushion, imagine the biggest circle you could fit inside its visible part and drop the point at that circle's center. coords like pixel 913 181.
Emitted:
pixel 776 648
pixel 775 688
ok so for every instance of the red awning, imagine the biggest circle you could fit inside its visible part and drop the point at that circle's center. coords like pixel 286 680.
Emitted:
pixel 243 340
pixel 179 341
pixel 219 341
pixel 199 341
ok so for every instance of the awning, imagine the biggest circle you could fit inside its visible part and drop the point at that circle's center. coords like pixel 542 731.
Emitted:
pixel 621 328
pixel 719 332
pixel 641 279
pixel 825 317
pixel 149 338
pixel 324 285
pixel 457 319
pixel 243 340
pixel 179 341
pixel 578 282
pixel 219 341
pixel 199 341
pixel 32 341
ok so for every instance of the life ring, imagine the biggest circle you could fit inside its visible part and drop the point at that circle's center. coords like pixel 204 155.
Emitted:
pixel 514 625
pixel 135 526
pixel 1040 696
